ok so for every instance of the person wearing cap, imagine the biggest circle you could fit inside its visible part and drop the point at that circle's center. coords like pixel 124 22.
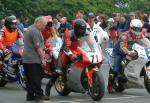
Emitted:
pixel 95 30
pixel 112 31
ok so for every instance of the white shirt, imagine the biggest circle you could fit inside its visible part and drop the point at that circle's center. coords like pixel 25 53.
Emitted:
pixel 99 34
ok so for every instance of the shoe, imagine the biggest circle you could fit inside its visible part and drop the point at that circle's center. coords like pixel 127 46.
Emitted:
pixel 30 97
pixel 42 98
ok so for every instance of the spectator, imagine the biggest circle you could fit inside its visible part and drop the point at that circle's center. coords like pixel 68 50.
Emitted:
pixel 26 22
pixel 102 24
pixel 2 23
pixel 122 27
pixel 33 57
pixel 20 25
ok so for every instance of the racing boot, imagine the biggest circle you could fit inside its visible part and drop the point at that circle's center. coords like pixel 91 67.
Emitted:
pixel 111 79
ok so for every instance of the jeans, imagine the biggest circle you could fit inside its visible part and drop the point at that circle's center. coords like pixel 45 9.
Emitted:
pixel 117 63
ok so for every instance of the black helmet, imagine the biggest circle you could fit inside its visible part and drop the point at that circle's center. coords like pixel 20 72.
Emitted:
pixel 79 28
pixel 10 23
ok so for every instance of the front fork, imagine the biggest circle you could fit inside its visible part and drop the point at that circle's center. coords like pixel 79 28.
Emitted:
pixel 89 74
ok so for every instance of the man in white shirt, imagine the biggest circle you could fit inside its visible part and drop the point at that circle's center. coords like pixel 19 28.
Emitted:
pixel 99 34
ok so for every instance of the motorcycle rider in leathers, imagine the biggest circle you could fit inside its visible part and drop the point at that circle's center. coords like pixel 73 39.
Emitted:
pixel 71 41
pixel 123 48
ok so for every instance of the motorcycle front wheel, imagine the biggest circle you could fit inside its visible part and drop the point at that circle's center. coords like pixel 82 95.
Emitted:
pixel 97 90
pixel 147 83
pixel 61 87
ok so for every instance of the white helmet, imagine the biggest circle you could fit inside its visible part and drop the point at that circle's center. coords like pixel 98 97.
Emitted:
pixel 136 26
pixel 136 23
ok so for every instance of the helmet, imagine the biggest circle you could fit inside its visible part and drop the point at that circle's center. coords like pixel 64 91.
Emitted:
pixel 11 23
pixel 136 26
pixel 49 19
pixel 80 27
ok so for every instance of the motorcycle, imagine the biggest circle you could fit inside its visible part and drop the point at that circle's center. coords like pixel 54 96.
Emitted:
pixel 83 75
pixel 11 68
pixel 51 58
pixel 135 71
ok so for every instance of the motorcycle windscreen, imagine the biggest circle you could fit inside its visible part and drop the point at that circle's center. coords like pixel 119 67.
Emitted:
pixel 91 49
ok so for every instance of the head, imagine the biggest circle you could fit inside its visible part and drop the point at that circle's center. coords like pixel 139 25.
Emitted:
pixel 62 28
pixel 90 18
pixel 11 23
pixel 132 15
pixel 110 21
pixel 122 19
pixel 59 17
pixel 101 18
pixel 40 23
pixel 49 22
pixel 136 27
pixel 80 14
pixel 79 27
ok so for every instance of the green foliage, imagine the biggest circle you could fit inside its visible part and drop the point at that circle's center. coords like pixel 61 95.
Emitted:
pixel 34 8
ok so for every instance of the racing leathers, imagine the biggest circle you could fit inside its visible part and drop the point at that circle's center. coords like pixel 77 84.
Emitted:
pixel 120 50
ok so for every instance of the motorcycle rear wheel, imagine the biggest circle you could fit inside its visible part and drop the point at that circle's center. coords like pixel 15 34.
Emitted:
pixel 2 82
pixel 60 87
pixel 97 90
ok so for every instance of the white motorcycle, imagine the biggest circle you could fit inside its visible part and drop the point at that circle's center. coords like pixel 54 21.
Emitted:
pixel 83 75
pixel 135 70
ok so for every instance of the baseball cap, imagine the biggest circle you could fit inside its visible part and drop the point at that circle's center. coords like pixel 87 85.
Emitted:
pixel 91 14
pixel 110 20
pixel 131 14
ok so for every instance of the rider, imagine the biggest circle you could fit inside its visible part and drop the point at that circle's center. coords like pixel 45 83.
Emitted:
pixel 11 34
pixel 50 35
pixel 71 41
pixel 122 48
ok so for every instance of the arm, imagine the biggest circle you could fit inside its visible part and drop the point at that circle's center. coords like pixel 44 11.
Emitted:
pixel 123 44
pixel 67 43
pixel 41 53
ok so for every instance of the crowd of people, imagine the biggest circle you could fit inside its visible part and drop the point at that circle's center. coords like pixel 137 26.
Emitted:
pixel 119 30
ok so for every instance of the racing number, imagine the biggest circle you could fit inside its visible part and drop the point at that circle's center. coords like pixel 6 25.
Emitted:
pixel 94 57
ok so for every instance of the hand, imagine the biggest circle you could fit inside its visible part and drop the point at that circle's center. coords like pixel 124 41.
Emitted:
pixel 43 63
pixel 131 53
pixel 73 56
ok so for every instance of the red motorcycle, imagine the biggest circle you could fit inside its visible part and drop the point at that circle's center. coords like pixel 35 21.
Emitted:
pixel 84 74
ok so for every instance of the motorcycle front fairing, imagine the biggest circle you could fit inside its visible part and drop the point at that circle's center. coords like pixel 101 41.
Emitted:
pixel 91 55
pixel 134 67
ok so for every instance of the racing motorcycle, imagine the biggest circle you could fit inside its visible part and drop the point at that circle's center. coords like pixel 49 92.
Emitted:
pixel 135 69
pixel 11 68
pixel 83 75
